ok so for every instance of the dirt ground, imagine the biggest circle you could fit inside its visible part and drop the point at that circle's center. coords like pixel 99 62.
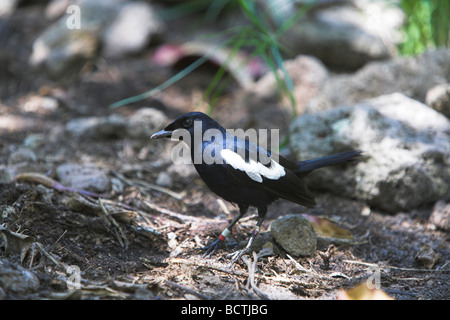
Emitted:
pixel 143 243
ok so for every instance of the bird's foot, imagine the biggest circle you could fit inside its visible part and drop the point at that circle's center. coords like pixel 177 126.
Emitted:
pixel 212 248
pixel 237 254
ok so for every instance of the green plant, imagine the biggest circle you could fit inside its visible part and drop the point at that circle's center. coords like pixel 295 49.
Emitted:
pixel 427 25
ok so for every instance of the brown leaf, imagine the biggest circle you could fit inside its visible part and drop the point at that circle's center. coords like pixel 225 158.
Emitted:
pixel 15 243
pixel 362 292
pixel 325 228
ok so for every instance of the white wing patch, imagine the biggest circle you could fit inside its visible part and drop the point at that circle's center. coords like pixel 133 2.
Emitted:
pixel 253 169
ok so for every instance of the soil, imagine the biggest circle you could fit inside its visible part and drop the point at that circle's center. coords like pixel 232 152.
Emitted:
pixel 144 243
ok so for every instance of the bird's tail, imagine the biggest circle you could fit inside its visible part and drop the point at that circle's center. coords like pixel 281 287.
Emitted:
pixel 331 160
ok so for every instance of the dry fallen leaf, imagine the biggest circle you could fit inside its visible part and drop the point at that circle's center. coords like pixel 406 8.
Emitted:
pixel 363 292
pixel 325 228
pixel 15 243
pixel 427 256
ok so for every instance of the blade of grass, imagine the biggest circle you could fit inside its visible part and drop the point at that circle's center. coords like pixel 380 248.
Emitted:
pixel 238 44
pixel 289 88
pixel 162 86
pixel 297 16
pixel 249 9
pixel 180 75
pixel 440 22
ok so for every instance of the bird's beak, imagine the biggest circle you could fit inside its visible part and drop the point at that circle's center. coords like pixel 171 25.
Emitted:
pixel 161 134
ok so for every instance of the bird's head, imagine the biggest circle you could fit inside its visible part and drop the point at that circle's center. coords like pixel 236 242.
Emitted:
pixel 192 122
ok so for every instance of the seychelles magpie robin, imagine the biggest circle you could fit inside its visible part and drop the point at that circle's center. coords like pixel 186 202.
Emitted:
pixel 242 172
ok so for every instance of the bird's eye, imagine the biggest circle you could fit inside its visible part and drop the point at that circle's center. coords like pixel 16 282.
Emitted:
pixel 187 123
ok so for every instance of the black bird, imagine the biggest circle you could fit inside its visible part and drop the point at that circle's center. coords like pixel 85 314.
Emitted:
pixel 238 173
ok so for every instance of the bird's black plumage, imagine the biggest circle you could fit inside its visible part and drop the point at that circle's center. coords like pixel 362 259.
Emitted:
pixel 238 173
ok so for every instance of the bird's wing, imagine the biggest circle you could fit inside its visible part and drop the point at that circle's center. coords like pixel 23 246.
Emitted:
pixel 292 188
pixel 258 171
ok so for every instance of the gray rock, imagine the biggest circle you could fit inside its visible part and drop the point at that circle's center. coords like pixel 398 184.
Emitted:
pixel 427 256
pixel 262 241
pixel 83 177
pixel 61 55
pixel 141 125
pixel 23 160
pixel 34 141
pixel 113 126
pixel 182 172
pixel 412 76
pixel 41 104
pixel 7 7
pixel 438 98
pixel 295 234
pixel 348 35
pixel 132 30
pixel 62 49
pixel 16 279
pixel 117 28
pixel 22 155
pixel 164 179
pixel 406 146
pixel 56 8
pixel 440 216
pixel 144 122
pixel 259 105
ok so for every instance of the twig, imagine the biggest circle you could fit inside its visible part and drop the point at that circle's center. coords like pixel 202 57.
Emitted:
pixel 57 240
pixel 193 292
pixel 122 238
pixel 223 206
pixel 119 204
pixel 123 209
pixel 299 266
pixel 394 268
pixel 279 279
pixel 208 266
pixel 251 276
pixel 170 213
pixel 46 254
pixel 250 217
pixel 142 184
pixel 314 272
pixel 173 194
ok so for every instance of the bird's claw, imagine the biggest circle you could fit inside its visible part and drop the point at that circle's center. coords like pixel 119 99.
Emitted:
pixel 237 254
pixel 212 248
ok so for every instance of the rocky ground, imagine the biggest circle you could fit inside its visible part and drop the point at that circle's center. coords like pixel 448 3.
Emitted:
pixel 92 209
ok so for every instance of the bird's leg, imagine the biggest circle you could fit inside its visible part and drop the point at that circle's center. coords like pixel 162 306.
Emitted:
pixel 236 255
pixel 211 249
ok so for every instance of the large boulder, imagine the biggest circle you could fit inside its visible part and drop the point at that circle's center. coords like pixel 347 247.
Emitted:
pixel 136 24
pixel 348 34
pixel 438 98
pixel 259 105
pixel 406 146
pixel 63 49
pixel 412 76
pixel 111 28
